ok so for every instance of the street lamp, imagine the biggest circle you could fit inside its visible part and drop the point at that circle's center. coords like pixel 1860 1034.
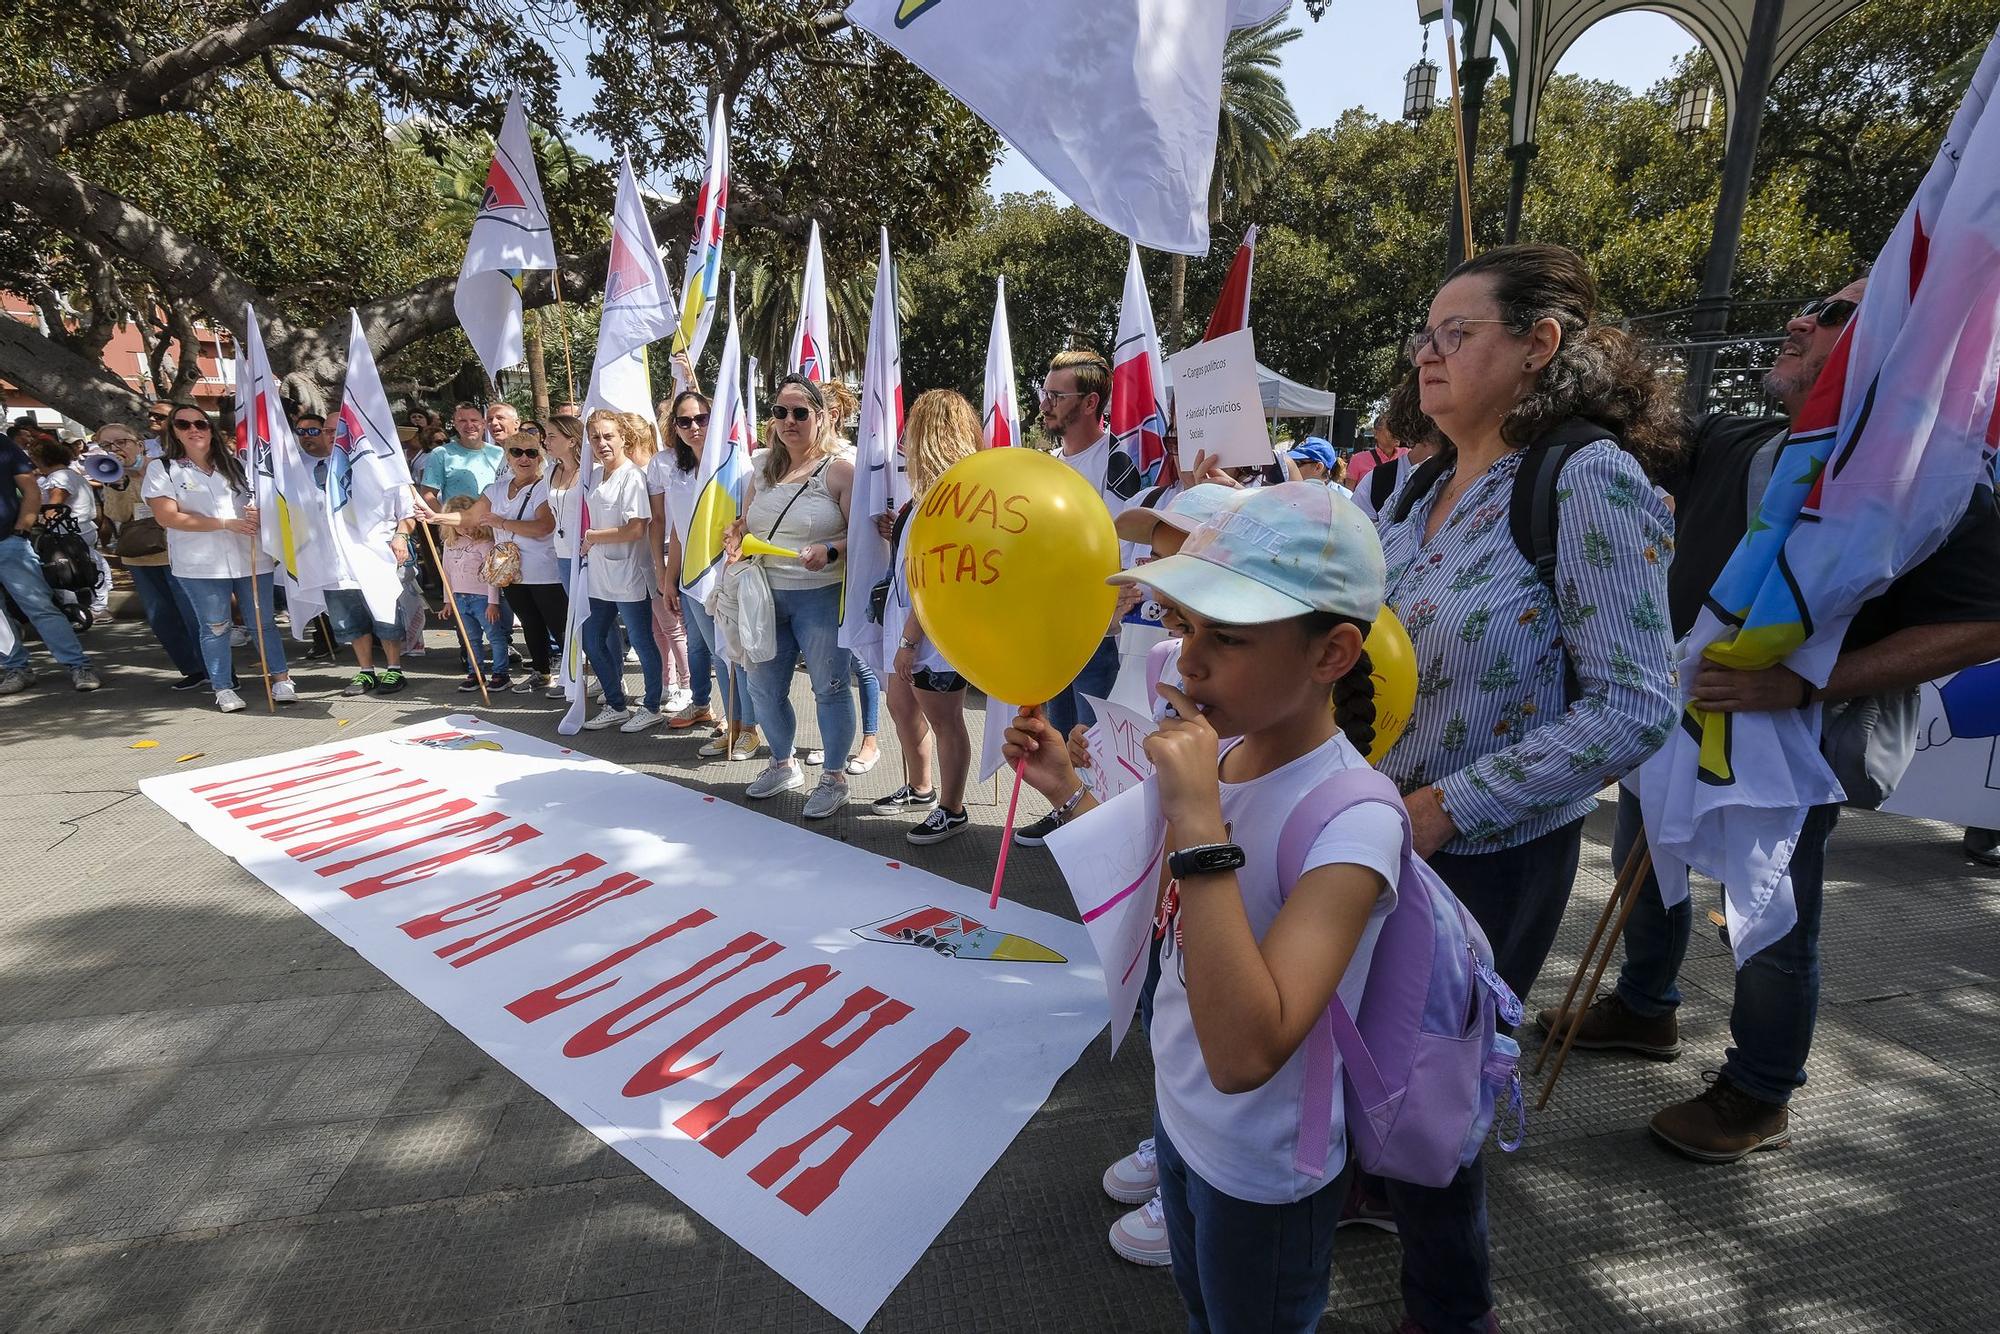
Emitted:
pixel 1693 109
pixel 1420 84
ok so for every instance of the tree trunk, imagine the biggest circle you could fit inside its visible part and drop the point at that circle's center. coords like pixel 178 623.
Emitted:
pixel 1173 333
pixel 538 373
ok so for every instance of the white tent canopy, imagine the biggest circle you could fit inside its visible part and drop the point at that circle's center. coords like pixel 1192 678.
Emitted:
pixel 1289 398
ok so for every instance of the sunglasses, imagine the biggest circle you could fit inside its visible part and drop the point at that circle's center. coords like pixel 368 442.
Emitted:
pixel 309 431
pixel 192 424
pixel 1830 311
pixel 699 419
pixel 156 416
pixel 525 453
pixel 782 413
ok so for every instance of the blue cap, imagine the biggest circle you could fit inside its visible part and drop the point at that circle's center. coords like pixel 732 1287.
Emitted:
pixel 1314 450
pixel 1273 553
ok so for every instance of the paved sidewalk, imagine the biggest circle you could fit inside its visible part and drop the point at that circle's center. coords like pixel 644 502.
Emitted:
pixel 215 1117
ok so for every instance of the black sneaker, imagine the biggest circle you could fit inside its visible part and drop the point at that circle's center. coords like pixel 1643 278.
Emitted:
pixel 362 683
pixel 940 825
pixel 1034 834
pixel 468 685
pixel 904 798
pixel 500 682
pixel 390 681
pixel 192 681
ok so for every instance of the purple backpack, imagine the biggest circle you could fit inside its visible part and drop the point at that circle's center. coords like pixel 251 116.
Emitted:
pixel 1425 1063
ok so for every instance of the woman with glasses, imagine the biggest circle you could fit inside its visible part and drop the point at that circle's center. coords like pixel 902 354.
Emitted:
pixel 1538 684
pixel 516 507
pixel 674 479
pixel 797 499
pixel 198 492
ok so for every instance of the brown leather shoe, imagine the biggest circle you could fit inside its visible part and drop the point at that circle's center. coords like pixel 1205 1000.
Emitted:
pixel 1723 1124
pixel 1610 1025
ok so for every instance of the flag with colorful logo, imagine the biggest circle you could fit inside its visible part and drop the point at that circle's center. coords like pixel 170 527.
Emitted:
pixel 1001 411
pixel 703 283
pixel 1893 442
pixel 1138 380
pixel 510 235
pixel 724 473
pixel 368 491
pixel 282 484
pixel 881 484
pixel 812 340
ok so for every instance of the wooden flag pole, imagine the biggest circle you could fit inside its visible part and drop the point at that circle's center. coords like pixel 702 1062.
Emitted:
pixel 1624 897
pixel 1458 133
pixel 451 601
pixel 562 313
pixel 257 628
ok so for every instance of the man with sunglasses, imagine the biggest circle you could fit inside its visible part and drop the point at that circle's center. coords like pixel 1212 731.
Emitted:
pixel 21 578
pixel 1940 616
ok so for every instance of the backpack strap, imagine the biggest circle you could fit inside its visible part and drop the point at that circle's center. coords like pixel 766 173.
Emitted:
pixel 1334 1030
pixel 1534 511
pixel 1421 481
pixel 1382 481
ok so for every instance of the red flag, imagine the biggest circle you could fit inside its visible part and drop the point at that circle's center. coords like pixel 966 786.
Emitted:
pixel 1232 308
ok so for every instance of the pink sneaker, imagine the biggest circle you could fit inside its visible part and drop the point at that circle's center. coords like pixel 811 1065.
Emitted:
pixel 1141 1236
pixel 1135 1178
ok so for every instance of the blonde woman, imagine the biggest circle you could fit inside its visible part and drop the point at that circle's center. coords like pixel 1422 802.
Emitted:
pixel 926 697
pixel 669 632
pixel 798 496
pixel 618 574
pixel 565 453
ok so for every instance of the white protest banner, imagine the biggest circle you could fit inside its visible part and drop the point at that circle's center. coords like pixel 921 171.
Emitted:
pixel 1955 775
pixel 820 1051
pixel 1218 408
pixel 1110 858
pixel 1117 742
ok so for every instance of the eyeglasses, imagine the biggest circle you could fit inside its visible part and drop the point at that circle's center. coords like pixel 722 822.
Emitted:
pixel 525 453
pixel 192 423
pixel 1447 338
pixel 782 413
pixel 309 432
pixel 1045 394
pixel 699 419
pixel 156 416
pixel 1830 311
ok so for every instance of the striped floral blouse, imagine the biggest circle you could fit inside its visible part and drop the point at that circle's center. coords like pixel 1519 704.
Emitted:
pixel 1491 730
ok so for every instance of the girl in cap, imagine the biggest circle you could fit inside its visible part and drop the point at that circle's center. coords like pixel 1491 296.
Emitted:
pixel 1272 598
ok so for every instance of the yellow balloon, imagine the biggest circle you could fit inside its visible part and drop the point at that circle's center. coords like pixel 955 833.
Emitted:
pixel 1394 660
pixel 1007 558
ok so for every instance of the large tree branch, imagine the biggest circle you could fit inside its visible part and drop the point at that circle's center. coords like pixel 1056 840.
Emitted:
pixel 78 386
pixel 358 58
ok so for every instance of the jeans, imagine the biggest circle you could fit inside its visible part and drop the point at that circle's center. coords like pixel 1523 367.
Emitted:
pixel 170 616
pixel 211 605
pixel 607 658
pixel 1777 991
pixel 563 566
pixel 347 612
pixel 704 660
pixel 1242 1266
pixel 489 640
pixel 1067 709
pixel 543 610
pixel 21 576
pixel 871 695
pixel 808 622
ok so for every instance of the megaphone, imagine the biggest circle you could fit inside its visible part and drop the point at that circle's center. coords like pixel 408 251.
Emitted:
pixel 104 469
pixel 757 546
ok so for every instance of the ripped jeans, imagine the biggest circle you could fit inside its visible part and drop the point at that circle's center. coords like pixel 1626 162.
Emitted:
pixel 211 609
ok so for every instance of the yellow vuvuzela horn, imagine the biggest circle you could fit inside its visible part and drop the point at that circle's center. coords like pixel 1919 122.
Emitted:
pixel 757 546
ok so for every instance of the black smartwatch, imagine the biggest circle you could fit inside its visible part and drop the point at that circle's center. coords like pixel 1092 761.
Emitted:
pixel 1205 859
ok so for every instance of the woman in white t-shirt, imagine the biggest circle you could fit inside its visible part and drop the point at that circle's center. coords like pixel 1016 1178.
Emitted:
pixel 197 491
pixel 63 483
pixel 617 574
pixel 1272 598
pixel 516 507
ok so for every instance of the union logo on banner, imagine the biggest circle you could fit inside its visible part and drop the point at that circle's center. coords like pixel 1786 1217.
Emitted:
pixel 956 936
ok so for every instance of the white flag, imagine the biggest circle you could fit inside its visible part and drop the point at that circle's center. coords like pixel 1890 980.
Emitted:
pixel 368 491
pixel 703 284
pixel 1136 147
pixel 881 485
pixel 1001 411
pixel 1138 382
pixel 510 235
pixel 812 346
pixel 281 479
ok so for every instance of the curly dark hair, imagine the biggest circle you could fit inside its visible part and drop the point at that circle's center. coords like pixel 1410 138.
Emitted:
pixel 1600 373
pixel 1405 415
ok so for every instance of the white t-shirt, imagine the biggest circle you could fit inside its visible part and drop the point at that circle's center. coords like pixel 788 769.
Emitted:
pixel 218 555
pixel 665 478
pixel 620 571
pixel 567 504
pixel 538 554
pixel 82 502
pixel 1243 1143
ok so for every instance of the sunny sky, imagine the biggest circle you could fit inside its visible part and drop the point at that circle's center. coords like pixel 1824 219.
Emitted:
pixel 1355 56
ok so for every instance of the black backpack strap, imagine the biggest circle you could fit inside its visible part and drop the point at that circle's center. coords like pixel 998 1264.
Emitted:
pixel 1534 511
pixel 1420 484
pixel 1382 482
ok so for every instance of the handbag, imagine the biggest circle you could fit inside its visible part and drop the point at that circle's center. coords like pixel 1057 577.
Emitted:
pixel 502 567
pixel 140 537
pixel 878 596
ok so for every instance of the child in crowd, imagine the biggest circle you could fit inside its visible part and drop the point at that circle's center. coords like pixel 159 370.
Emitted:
pixel 487 624
pixel 1271 599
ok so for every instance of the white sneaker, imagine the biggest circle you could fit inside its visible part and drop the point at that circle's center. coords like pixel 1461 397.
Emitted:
pixel 229 701
pixel 595 687
pixel 284 692
pixel 778 778
pixel 238 637
pixel 605 718
pixel 1141 1236
pixel 641 719
pixel 1135 1178
pixel 677 700
pixel 828 797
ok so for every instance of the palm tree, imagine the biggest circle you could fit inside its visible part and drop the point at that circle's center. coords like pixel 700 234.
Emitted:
pixel 768 311
pixel 1257 121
